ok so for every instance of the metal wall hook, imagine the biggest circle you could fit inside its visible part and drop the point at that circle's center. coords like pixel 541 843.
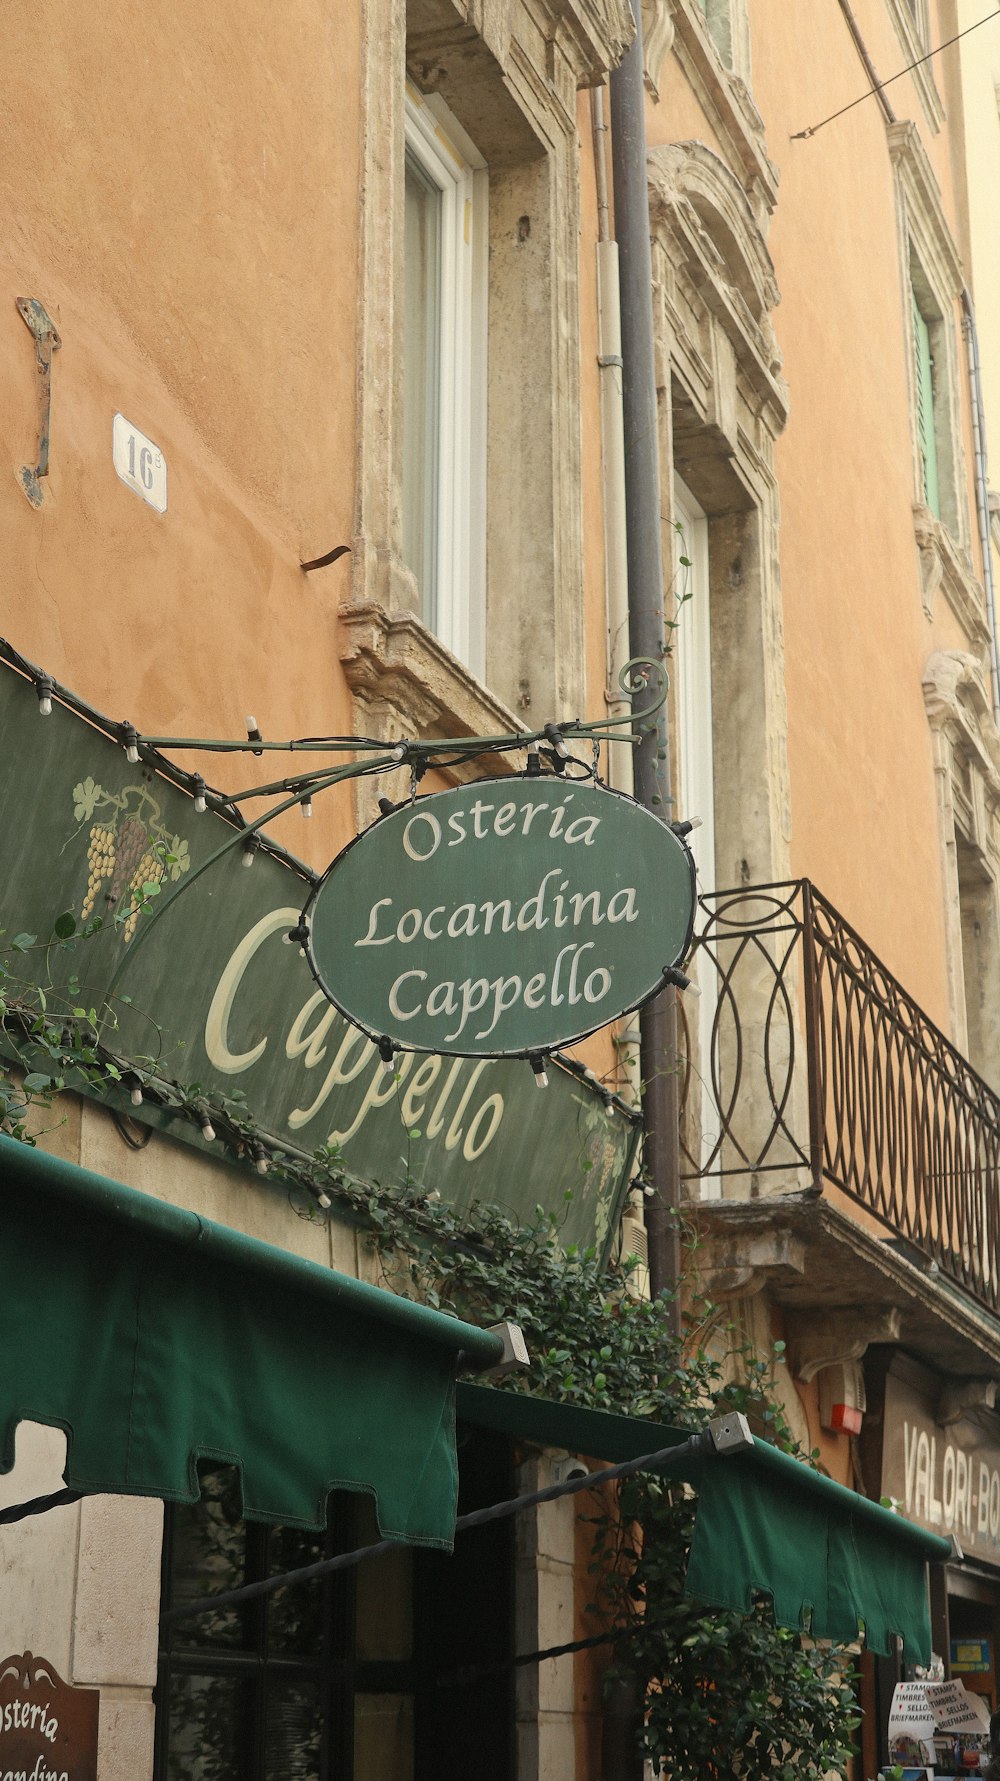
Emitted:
pixel 37 318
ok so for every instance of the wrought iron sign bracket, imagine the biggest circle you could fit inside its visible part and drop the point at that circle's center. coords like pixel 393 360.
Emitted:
pixel 47 340
pixel 548 750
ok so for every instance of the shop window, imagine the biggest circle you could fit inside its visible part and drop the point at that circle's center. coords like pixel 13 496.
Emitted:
pixel 444 358
pixel 399 1667
pixel 311 1683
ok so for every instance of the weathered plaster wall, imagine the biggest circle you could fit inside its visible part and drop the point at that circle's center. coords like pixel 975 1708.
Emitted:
pixel 864 820
pixel 194 252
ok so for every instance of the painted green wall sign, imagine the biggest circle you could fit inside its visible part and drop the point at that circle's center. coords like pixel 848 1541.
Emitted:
pixel 216 996
pixel 501 918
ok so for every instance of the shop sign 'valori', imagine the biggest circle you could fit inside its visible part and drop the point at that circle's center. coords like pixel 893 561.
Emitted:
pixel 501 918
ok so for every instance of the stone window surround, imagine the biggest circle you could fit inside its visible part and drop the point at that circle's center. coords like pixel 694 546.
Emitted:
pixel 510 71
pixel 914 41
pixel 711 261
pixel 679 27
pixel 925 239
pixel 966 745
pixel 723 403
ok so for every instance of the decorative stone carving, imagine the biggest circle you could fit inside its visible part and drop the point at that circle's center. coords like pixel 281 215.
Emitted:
pixel 945 567
pixel 700 204
pixel 826 1338
pixel 740 1267
pixel 963 1397
pixel 405 683
pixel 957 702
pixel 724 96
pixel 657 40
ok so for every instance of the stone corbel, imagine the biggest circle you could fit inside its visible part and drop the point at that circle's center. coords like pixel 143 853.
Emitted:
pixel 405 683
pixel 818 1339
pixel 963 1397
pixel 958 702
pixel 944 567
pixel 657 41
pixel 740 1267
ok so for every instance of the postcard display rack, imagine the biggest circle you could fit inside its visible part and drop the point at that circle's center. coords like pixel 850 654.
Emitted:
pixel 938 1731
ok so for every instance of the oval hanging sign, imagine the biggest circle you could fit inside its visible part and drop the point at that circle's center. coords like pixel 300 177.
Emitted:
pixel 501 918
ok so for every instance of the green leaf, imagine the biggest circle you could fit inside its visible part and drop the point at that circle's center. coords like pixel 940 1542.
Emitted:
pixel 64 925
pixel 21 942
pixel 35 1083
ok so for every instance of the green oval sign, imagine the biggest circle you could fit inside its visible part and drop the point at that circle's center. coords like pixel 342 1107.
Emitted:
pixel 501 918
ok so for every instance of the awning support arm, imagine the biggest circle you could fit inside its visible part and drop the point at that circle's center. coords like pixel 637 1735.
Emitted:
pixel 724 1435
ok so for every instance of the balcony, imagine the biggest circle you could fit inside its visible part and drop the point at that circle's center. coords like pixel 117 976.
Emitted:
pixel 811 1078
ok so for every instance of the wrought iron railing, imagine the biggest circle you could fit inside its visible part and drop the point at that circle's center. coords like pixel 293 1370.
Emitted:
pixel 806 1062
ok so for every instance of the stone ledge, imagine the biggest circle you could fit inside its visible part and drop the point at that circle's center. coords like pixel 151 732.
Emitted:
pixel 846 1265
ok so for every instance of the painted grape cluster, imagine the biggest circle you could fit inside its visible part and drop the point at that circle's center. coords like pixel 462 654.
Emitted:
pixel 129 851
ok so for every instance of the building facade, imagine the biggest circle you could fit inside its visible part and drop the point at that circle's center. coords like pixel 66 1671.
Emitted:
pixel 318 277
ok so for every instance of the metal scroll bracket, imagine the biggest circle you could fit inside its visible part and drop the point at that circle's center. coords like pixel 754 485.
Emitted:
pixel 47 340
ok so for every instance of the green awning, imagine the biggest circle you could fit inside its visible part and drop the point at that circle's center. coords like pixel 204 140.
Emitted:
pixel 155 1337
pixel 829 1559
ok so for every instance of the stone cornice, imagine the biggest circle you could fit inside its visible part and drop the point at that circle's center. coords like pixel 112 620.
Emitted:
pixel 390 659
pixel 848 1265
pixel 697 201
pixel 944 566
pixel 570 43
pixel 727 104
pixel 925 209
pixel 957 701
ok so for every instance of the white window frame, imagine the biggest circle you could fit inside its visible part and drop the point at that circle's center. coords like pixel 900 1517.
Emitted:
pixel 455 607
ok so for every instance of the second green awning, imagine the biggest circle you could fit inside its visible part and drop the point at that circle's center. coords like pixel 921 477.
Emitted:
pixel 830 1560
pixel 155 1337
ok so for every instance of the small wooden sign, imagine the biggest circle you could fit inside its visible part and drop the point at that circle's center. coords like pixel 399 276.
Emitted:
pixel 48 1730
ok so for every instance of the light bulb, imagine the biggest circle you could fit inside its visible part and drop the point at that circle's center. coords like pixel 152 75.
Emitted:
pixel 200 802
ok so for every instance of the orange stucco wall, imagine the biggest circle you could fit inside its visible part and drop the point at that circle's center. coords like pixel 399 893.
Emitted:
pixel 863 812
pixel 210 310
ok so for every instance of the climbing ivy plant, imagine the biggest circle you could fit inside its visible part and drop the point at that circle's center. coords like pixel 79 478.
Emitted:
pixel 723 1694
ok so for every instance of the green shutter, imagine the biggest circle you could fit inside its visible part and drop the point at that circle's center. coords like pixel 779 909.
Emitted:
pixel 925 408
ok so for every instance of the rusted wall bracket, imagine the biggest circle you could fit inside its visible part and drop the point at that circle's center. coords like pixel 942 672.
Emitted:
pixel 47 340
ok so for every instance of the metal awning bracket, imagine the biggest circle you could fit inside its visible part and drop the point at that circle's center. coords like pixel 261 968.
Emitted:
pixel 37 318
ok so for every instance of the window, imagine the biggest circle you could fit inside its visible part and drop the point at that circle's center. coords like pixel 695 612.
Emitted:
pixel 307 1684
pixel 932 281
pixel 691 642
pixel 718 18
pixel 399 1667
pixel 444 344
pixel 912 22
pixel 977 896
pixel 927 403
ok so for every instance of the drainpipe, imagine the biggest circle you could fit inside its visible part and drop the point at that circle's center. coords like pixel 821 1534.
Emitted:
pixel 647 637
pixel 609 360
pixel 982 487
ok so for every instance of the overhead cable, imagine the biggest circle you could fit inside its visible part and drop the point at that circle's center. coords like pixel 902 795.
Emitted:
pixel 879 86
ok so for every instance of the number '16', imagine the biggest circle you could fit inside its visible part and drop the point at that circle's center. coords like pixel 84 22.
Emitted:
pixel 145 471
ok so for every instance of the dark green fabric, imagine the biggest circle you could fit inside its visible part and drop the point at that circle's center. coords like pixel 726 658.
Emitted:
pixel 155 1337
pixel 766 1522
